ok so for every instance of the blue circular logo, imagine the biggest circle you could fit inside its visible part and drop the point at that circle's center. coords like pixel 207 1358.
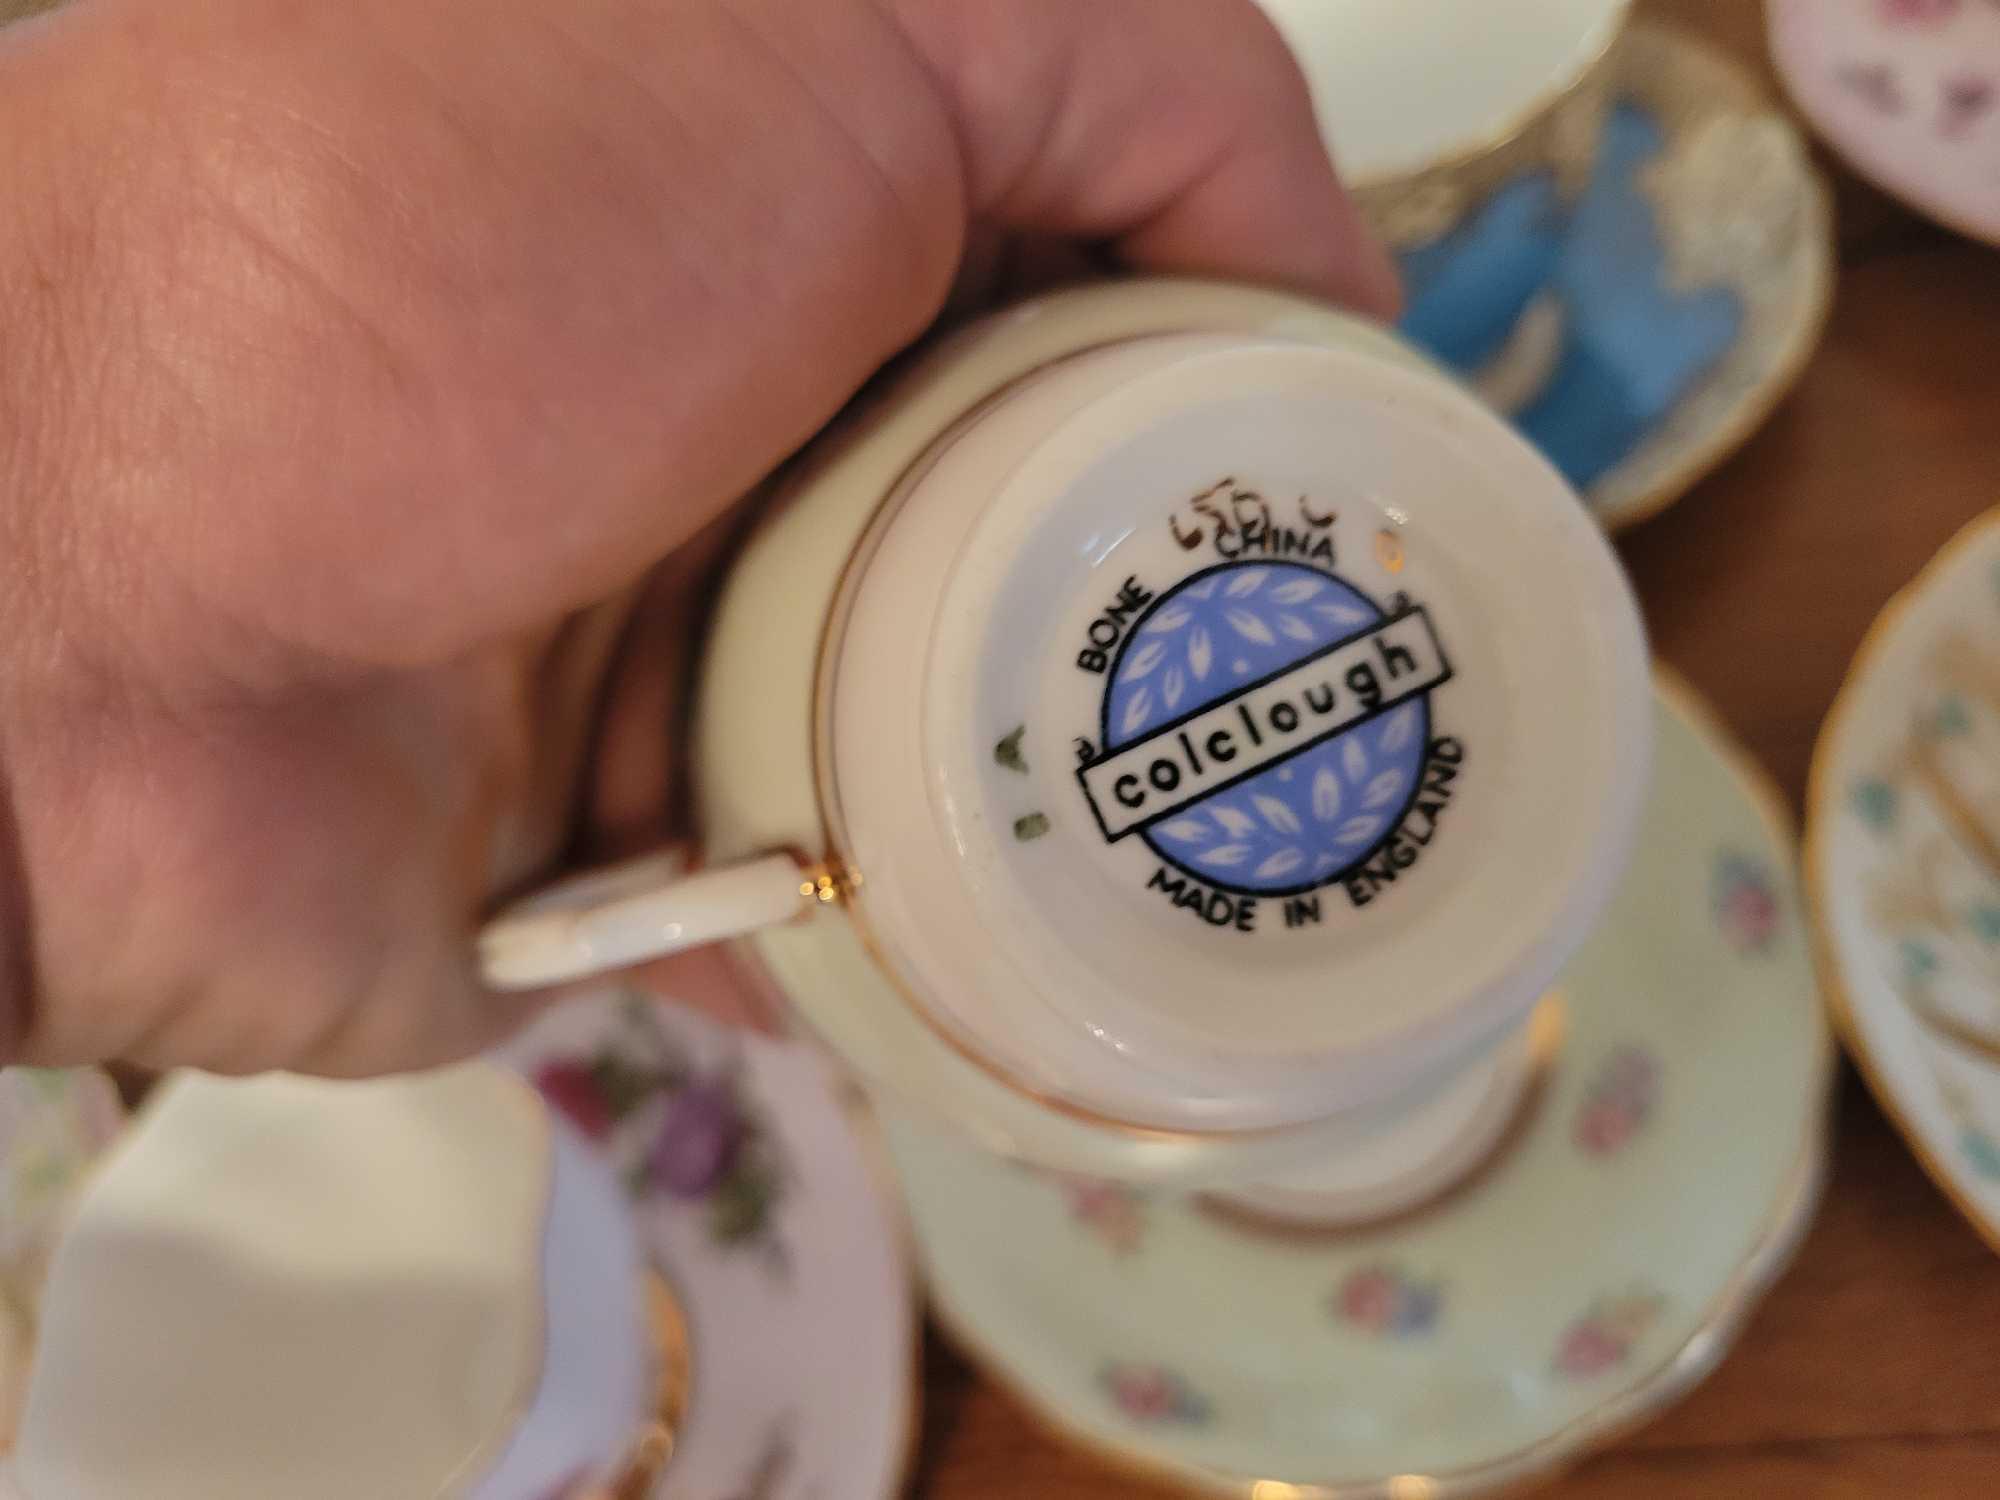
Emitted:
pixel 1300 821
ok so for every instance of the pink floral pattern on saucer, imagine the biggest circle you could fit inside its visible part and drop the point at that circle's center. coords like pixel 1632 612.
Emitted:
pixel 1505 1328
pixel 1746 902
pixel 1154 1395
pixel 1605 1336
pixel 1388 1302
pixel 1113 1212
pixel 1908 91
pixel 1619 1102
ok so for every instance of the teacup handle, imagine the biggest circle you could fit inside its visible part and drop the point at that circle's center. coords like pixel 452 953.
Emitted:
pixel 645 908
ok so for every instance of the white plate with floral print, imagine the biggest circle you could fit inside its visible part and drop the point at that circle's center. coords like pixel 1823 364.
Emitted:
pixel 1902 815
pixel 53 1124
pixel 1588 1276
pixel 760 1200
pixel 1908 92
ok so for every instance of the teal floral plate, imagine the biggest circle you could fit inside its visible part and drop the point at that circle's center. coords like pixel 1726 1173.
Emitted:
pixel 1589 1275
pixel 1903 866
pixel 759 1199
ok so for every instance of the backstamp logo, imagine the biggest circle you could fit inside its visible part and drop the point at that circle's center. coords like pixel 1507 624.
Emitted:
pixel 1266 729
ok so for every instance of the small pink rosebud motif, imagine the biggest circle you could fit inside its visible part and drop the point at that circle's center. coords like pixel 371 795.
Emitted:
pixel 1387 1302
pixel 1111 1211
pixel 1604 1337
pixel 1153 1394
pixel 1620 1102
pixel 1746 904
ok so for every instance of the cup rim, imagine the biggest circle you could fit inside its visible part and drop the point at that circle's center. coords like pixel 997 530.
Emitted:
pixel 1577 76
pixel 1438 1046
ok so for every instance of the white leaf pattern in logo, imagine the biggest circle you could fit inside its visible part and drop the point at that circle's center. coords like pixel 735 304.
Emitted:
pixel 1340 800
pixel 1326 795
pixel 1382 788
pixel 1245 583
pixel 1282 863
pixel 1136 711
pixel 1143 661
pixel 1402 724
pixel 1201 652
pixel 1342 614
pixel 1235 822
pixel 1277 814
pixel 1250 627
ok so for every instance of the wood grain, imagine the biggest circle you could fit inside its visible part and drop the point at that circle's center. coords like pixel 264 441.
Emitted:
pixel 1874 1369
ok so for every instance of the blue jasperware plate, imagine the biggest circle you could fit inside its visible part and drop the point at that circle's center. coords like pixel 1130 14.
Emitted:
pixel 1685 293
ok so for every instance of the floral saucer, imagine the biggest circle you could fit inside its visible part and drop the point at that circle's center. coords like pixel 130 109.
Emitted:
pixel 1585 1279
pixel 1908 92
pixel 53 1125
pixel 1901 867
pixel 1690 290
pixel 763 1208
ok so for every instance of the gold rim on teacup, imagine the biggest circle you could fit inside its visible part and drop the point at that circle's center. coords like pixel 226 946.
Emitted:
pixel 840 878
pixel 843 878
pixel 1547 1029
pixel 1557 132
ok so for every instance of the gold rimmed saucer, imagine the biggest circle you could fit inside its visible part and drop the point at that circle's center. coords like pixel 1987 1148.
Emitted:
pixel 1905 897
pixel 1689 344
pixel 1562 1297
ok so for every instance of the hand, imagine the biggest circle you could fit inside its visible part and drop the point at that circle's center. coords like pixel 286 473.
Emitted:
pixel 367 364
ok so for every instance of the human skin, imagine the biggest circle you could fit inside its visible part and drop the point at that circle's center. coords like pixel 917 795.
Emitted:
pixel 378 383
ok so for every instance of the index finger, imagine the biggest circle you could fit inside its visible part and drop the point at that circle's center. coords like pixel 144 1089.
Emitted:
pixel 1180 130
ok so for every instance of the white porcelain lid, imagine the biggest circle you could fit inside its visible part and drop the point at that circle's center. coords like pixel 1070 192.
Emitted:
pixel 1401 84
pixel 1226 732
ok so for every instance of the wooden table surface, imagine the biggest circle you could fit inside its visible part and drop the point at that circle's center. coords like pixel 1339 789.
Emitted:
pixel 1873 1370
